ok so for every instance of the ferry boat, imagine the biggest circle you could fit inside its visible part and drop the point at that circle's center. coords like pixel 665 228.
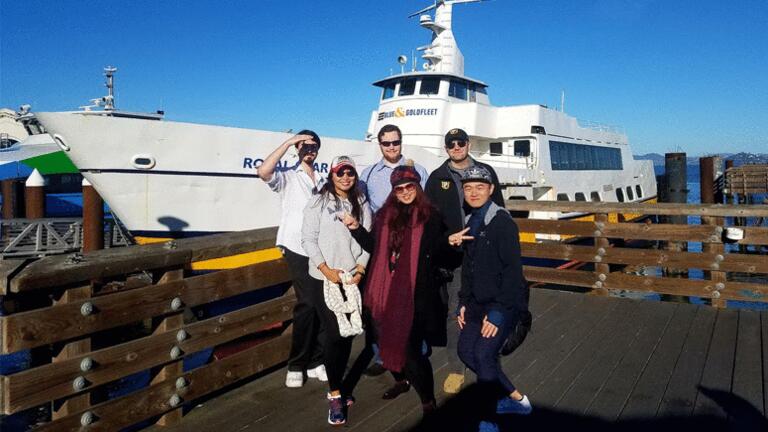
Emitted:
pixel 168 179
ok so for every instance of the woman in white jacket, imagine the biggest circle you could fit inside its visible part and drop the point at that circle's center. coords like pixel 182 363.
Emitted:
pixel 333 255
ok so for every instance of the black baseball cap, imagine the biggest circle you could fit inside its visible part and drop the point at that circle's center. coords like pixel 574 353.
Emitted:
pixel 456 135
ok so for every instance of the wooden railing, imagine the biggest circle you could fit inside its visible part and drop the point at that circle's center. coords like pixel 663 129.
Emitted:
pixel 89 322
pixel 86 323
pixel 597 245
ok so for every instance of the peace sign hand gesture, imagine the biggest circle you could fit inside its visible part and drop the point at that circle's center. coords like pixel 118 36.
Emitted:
pixel 458 238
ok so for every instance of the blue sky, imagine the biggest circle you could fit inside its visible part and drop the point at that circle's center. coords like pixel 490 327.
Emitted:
pixel 688 75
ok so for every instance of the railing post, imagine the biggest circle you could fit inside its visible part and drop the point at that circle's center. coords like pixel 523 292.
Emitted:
pixel 601 248
pixel 74 349
pixel 172 370
pixel 707 171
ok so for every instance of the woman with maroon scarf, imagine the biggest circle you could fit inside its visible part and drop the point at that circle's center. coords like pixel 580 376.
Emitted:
pixel 402 293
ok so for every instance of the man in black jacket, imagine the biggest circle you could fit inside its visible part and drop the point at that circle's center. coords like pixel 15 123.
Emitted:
pixel 445 191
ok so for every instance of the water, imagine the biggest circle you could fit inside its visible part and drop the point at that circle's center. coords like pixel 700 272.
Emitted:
pixel 694 196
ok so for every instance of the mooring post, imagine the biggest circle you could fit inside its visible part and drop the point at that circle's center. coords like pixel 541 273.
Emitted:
pixel 13 203
pixel 34 196
pixel 676 184
pixel 93 218
pixel 729 195
pixel 708 172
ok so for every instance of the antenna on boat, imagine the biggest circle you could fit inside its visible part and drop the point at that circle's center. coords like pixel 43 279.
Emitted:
pixel 402 59
pixel 562 100
pixel 447 2
pixel 109 99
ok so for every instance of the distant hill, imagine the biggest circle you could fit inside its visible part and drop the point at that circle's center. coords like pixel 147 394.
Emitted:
pixel 738 158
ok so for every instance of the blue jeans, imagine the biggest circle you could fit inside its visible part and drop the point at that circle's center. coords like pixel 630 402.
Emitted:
pixel 481 354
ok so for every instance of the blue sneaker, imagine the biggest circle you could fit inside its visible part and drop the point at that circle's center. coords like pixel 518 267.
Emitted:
pixel 507 405
pixel 488 427
pixel 336 411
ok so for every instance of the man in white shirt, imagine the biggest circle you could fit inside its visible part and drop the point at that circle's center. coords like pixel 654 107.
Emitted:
pixel 296 185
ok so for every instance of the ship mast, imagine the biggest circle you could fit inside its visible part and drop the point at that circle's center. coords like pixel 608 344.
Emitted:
pixel 442 54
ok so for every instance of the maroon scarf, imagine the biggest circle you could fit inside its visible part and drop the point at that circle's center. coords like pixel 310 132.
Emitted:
pixel 389 295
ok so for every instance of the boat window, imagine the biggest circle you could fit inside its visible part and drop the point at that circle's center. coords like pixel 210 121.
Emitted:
pixel 619 195
pixel 580 157
pixel 497 149
pixel 562 197
pixel 594 196
pixel 389 91
pixel 480 89
pixel 523 148
pixel 407 87
pixel 430 86
pixel 458 89
pixel 639 191
pixel 630 195
pixel 580 196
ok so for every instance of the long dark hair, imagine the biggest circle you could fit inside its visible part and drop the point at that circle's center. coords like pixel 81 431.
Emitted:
pixel 399 216
pixel 355 196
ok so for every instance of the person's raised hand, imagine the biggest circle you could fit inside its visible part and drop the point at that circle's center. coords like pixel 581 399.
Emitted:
pixel 350 221
pixel 456 239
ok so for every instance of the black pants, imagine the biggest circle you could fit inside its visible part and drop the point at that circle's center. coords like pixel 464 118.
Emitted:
pixel 336 349
pixel 306 343
pixel 417 369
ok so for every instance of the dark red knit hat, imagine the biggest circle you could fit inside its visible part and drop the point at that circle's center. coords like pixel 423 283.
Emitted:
pixel 404 174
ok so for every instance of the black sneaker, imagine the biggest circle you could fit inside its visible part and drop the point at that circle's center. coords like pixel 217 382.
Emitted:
pixel 375 369
pixel 396 390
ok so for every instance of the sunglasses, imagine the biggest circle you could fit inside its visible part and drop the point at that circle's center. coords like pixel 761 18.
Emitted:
pixel 395 143
pixel 310 148
pixel 453 144
pixel 408 187
pixel 346 173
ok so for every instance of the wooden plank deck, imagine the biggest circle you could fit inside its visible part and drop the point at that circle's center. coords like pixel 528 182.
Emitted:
pixel 590 362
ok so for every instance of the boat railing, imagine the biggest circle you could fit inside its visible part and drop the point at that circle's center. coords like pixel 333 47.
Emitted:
pixel 26 238
pixel 602 127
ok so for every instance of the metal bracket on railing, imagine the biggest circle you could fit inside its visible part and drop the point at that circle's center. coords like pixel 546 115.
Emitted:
pixel 86 309
pixel 175 352
pixel 75 258
pixel 86 364
pixel 181 382
pixel 87 418
pixel 79 383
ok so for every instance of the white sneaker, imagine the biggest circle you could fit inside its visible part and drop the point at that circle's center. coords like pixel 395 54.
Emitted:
pixel 294 379
pixel 318 373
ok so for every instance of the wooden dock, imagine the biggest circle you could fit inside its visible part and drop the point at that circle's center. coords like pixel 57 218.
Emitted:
pixel 591 362
pixel 135 336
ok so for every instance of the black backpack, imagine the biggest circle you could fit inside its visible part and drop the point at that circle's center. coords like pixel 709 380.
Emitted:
pixel 518 334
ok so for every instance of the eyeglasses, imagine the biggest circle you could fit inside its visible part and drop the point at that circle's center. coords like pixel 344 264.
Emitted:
pixel 346 173
pixel 408 187
pixel 453 144
pixel 395 143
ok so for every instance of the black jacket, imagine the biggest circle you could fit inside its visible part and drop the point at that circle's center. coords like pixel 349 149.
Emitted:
pixel 441 190
pixel 492 270
pixel 429 309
